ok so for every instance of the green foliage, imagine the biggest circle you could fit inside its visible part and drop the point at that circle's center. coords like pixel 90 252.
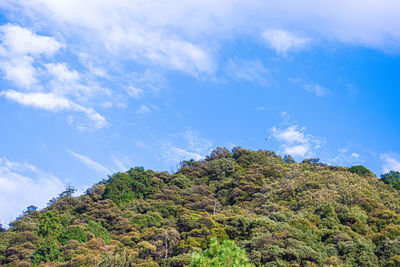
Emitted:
pixel 49 224
pixel 361 170
pixel 289 159
pixel 221 168
pixel 47 250
pixel 279 212
pixel 393 178
pixel 226 253
pixel 73 233
pixel 99 231
pixel 124 187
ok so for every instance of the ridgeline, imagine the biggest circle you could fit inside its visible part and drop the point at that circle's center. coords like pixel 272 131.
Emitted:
pixel 235 208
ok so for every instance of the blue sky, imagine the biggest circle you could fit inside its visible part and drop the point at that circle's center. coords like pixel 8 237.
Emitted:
pixel 93 88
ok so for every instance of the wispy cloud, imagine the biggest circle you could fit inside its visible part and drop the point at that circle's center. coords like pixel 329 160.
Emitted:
pixel 143 109
pixel 247 70
pixel 311 87
pixel 283 41
pixel 316 89
pixel 90 163
pixel 184 146
pixel 390 162
pixel 344 156
pixel 23 184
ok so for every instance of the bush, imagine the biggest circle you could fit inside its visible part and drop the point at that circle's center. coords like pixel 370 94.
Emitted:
pixel 49 225
pixel 73 233
pixel 393 178
pixel 99 231
pixel 226 253
pixel 47 251
pixel 361 170
pixel 124 187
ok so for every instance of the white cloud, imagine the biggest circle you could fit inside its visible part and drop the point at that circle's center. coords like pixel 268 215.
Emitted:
pixel 185 146
pixel 282 41
pixel 294 141
pixel 20 56
pixel 344 157
pixel 250 71
pixel 121 164
pixel 186 36
pixel 20 71
pixel 23 184
pixel 143 109
pixel 195 142
pixel 61 72
pixel 51 102
pixel 18 48
pixel 311 87
pixel 317 89
pixel 134 92
pixel 90 163
pixel 297 150
pixel 390 162
pixel 22 41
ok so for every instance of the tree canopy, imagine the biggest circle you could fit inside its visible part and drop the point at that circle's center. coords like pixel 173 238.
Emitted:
pixel 234 208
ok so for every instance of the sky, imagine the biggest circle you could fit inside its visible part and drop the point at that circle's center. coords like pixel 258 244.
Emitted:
pixel 91 88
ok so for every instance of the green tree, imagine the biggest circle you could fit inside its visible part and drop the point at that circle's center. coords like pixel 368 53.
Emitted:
pixel 49 225
pixel 360 170
pixel 47 251
pixel 289 159
pixel 126 186
pixel 226 253
pixel 73 233
pixel 393 178
pixel 99 231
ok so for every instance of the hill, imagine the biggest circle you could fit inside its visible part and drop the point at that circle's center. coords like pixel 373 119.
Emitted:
pixel 251 207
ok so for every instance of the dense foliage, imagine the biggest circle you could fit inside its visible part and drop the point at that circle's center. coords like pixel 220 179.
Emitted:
pixel 393 178
pixel 241 207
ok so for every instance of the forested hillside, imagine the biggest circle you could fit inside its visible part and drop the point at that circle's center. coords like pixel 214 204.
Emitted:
pixel 235 208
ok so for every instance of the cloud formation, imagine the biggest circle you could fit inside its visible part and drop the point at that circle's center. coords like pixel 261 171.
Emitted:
pixel 247 70
pixel 104 41
pixel 390 162
pixel 54 103
pixel 295 141
pixel 282 41
pixel 48 86
pixel 316 89
pixel 23 184
pixel 185 146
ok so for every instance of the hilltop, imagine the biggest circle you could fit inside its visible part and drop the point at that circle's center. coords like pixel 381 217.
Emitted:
pixel 253 205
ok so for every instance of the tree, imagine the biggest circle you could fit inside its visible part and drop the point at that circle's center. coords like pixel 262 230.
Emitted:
pixel 47 251
pixel 99 231
pixel 219 153
pixel 226 253
pixel 31 210
pixel 289 159
pixel 68 192
pixel 313 161
pixel 393 178
pixel 360 170
pixel 73 233
pixel 126 186
pixel 49 224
